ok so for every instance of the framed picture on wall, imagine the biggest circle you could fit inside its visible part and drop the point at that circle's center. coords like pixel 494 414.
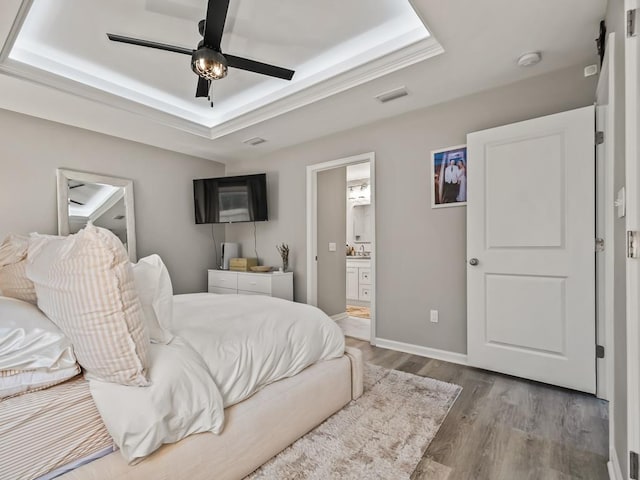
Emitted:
pixel 449 177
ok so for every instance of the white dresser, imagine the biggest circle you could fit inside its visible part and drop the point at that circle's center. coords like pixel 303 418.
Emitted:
pixel 274 284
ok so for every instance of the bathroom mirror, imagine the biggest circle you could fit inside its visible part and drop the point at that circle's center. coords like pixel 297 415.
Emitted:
pixel 362 223
pixel 105 201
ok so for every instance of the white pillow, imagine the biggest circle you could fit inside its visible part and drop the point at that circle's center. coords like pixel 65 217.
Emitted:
pixel 85 285
pixel 182 400
pixel 34 353
pixel 156 295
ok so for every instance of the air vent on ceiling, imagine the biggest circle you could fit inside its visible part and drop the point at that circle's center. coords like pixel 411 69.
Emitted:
pixel 254 141
pixel 392 94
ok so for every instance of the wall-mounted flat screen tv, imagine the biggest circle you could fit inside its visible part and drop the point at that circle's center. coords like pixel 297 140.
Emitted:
pixel 231 199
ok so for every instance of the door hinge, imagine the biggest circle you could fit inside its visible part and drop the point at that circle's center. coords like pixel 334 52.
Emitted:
pixel 633 465
pixel 599 244
pixel 632 22
pixel 633 244
pixel 599 137
pixel 599 351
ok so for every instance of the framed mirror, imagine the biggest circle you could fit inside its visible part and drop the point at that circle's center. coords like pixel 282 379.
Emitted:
pixel 105 201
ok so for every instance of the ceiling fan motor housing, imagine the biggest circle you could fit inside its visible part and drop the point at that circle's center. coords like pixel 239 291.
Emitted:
pixel 209 64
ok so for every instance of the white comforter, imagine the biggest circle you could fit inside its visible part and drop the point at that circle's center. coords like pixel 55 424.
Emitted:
pixel 227 348
pixel 251 341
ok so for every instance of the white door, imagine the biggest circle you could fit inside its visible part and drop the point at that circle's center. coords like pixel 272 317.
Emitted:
pixel 530 246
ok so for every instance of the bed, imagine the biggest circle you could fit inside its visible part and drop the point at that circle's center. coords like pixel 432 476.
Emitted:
pixel 188 386
pixel 259 421
pixel 257 425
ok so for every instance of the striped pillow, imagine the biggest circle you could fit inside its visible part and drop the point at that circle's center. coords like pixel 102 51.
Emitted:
pixel 85 285
pixel 13 262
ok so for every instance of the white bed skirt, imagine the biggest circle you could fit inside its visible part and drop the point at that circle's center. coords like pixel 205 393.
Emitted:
pixel 255 429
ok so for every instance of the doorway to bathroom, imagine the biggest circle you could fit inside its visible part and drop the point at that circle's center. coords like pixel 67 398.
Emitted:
pixel 357 323
pixel 341 242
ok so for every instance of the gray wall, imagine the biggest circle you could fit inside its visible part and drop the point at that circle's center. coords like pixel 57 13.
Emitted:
pixel 32 149
pixel 415 243
pixel 615 23
pixel 332 227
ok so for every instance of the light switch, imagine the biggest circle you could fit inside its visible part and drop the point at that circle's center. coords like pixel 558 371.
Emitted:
pixel 332 247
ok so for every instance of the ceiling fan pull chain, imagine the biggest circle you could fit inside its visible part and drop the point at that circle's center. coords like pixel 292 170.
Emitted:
pixel 210 93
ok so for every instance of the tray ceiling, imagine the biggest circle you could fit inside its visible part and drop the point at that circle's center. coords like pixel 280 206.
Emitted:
pixel 332 45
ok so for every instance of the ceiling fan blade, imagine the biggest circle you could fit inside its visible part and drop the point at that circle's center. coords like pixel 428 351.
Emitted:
pixel 150 44
pixel 214 24
pixel 77 203
pixel 259 67
pixel 203 87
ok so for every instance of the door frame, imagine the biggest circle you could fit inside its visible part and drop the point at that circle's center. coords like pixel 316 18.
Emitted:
pixel 312 226
pixel 632 189
pixel 605 212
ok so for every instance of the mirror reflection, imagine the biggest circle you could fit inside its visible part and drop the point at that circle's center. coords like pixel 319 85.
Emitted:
pixel 105 201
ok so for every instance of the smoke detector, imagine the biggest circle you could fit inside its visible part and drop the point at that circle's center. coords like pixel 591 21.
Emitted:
pixel 529 59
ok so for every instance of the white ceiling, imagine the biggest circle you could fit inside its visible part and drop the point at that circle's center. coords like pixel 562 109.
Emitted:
pixel 155 105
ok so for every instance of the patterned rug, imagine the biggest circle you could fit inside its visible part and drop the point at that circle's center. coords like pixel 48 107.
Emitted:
pixel 360 312
pixel 382 435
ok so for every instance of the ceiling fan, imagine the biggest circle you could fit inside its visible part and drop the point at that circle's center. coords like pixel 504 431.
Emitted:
pixel 208 61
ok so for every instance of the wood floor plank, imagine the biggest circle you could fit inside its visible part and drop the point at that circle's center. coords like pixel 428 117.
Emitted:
pixel 505 428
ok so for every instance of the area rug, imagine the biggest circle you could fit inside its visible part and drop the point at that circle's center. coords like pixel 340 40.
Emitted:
pixel 382 435
pixel 360 312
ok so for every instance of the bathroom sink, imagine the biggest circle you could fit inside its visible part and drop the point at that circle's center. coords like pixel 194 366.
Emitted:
pixel 358 257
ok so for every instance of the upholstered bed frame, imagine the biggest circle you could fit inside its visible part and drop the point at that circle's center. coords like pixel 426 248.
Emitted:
pixel 255 429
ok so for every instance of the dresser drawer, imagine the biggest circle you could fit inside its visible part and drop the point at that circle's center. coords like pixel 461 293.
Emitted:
pixel 223 291
pixel 223 279
pixel 248 292
pixel 255 283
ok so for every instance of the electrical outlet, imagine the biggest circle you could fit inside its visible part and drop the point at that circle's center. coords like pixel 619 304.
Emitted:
pixel 434 316
pixel 332 246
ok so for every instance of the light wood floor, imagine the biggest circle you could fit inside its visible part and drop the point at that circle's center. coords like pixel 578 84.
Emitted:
pixel 505 428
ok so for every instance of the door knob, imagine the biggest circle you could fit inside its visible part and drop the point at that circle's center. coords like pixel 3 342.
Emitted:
pixel 473 262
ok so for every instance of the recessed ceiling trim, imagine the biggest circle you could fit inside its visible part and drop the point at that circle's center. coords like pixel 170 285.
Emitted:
pixel 21 15
pixel 26 72
pixel 306 92
pixel 410 55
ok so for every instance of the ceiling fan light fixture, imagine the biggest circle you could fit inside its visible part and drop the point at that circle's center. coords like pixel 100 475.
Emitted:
pixel 209 64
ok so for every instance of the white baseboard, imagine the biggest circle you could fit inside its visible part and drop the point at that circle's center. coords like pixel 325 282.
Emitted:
pixel 444 355
pixel 613 465
pixel 340 316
